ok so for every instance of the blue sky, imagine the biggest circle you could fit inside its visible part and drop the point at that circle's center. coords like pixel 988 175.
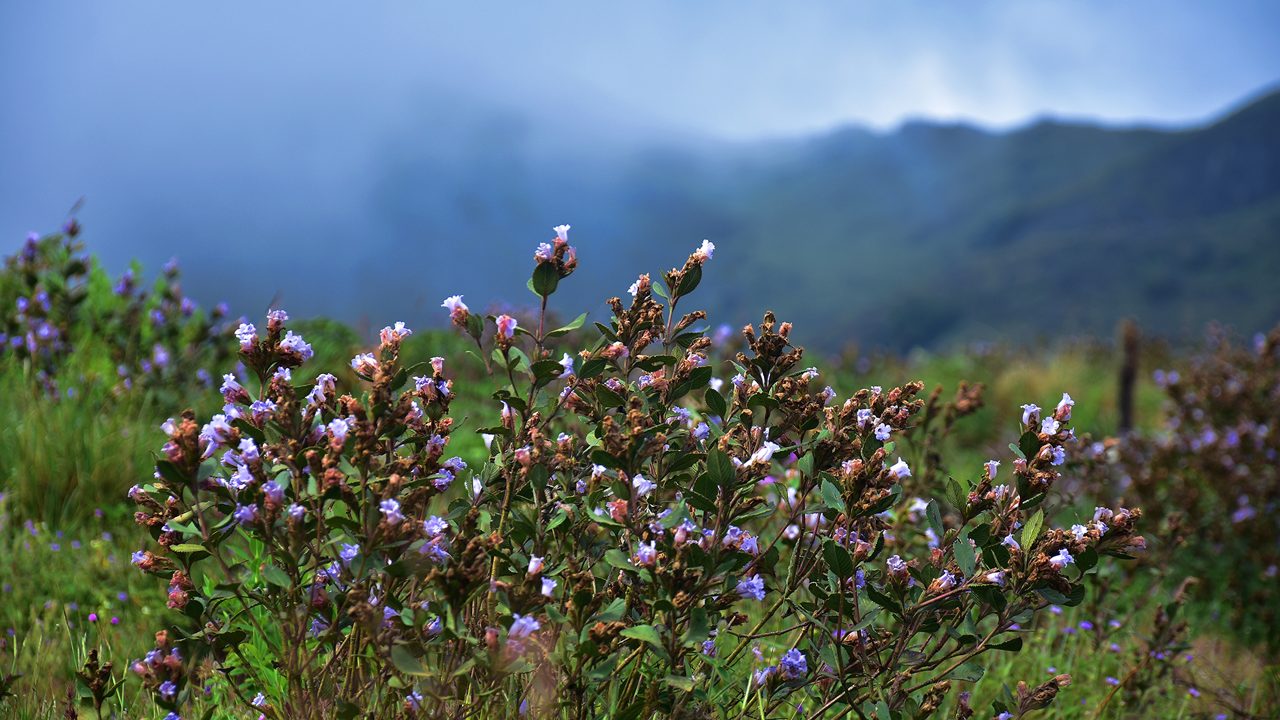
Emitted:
pixel 738 69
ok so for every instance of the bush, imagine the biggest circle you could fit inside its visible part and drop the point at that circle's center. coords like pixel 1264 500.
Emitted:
pixel 1210 474
pixel 641 538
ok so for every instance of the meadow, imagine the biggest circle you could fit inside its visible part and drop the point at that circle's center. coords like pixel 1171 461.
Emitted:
pixel 645 515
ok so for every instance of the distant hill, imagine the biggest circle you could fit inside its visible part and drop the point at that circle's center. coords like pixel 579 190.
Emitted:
pixel 935 233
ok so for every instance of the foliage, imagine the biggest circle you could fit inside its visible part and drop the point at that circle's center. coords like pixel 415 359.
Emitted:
pixel 636 527
pixel 1211 474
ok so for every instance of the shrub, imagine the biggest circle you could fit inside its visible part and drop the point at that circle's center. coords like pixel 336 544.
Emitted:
pixel 640 538
pixel 1211 475
pixel 65 324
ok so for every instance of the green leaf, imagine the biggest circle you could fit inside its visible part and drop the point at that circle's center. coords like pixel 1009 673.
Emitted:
pixel 275 576
pixel 831 495
pixel 838 559
pixel 689 282
pixel 965 554
pixel 680 682
pixel 618 559
pixel 645 633
pixel 957 495
pixel 935 518
pixel 1029 444
pixel 968 672
pixel 720 468
pixel 1013 644
pixel 545 279
pixel 1031 530
pixel 406 663
pixel 566 329
pixel 716 402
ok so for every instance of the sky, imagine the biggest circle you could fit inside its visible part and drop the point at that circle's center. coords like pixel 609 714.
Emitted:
pixel 210 130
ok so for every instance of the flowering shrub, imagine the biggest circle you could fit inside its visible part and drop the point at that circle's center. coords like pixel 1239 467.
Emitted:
pixel 58 305
pixel 641 538
pixel 1212 472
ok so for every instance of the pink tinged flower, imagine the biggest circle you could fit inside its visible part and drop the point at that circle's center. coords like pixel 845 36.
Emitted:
pixel 535 564
pixel 1063 411
pixel 365 364
pixel 455 306
pixel 506 326
pixel 562 232
pixel 548 586
pixel 1062 559
pixel 900 470
pixel 390 334
pixel 338 429
pixel 646 553
pixel 543 253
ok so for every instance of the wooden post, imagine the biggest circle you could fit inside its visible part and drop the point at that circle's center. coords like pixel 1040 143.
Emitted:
pixel 1128 373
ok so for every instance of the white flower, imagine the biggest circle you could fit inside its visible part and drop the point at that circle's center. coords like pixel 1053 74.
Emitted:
pixel 562 232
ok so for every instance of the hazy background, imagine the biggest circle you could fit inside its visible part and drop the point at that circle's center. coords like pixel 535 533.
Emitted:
pixel 894 173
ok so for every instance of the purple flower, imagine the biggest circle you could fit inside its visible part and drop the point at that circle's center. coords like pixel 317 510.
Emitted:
pixel 245 514
pixel 566 362
pixel 900 470
pixel 543 252
pixel 294 343
pixel 793 665
pixel 522 626
pixel 168 690
pixel 751 588
pixel 883 432
pixel 642 486
pixel 646 554
pixel 1030 412
pixel 548 586
pixel 391 511
pixel 348 553
pixel 273 492
pixel 434 526
pixel 246 334
pixel 562 232
pixel 1062 559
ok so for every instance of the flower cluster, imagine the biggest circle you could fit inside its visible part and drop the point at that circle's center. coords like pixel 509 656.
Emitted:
pixel 641 518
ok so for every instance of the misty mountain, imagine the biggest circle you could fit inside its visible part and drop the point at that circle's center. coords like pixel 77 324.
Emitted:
pixel 927 235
